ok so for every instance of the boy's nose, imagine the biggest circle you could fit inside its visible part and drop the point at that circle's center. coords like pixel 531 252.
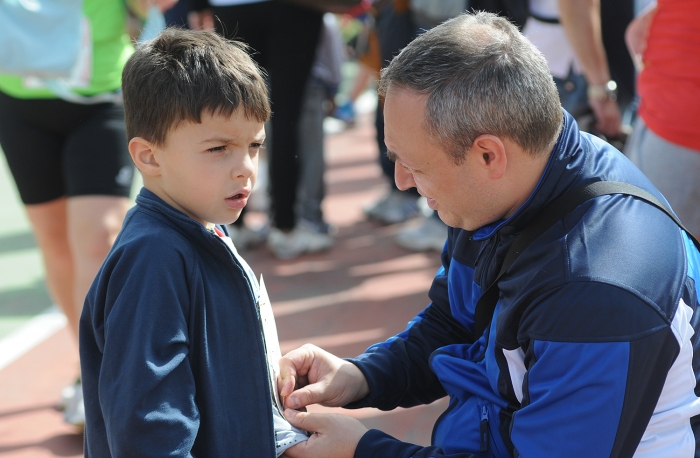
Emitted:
pixel 246 168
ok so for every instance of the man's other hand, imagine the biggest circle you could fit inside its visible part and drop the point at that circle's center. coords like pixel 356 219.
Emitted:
pixel 310 375
pixel 334 435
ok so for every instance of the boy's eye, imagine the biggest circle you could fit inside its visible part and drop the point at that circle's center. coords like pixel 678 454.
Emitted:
pixel 257 145
pixel 216 149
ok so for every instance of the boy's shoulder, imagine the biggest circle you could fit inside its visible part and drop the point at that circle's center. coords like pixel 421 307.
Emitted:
pixel 147 235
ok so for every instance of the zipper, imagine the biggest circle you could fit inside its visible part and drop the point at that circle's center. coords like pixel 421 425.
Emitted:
pixel 260 335
pixel 450 407
pixel 484 430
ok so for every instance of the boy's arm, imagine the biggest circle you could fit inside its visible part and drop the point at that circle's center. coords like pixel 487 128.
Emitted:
pixel 144 386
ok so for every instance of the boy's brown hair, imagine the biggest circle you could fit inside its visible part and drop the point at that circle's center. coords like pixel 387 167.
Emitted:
pixel 180 73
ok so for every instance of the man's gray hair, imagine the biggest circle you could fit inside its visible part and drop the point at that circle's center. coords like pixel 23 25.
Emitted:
pixel 481 76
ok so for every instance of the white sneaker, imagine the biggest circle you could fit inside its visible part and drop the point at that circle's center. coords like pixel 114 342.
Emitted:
pixel 396 207
pixel 244 237
pixel 429 234
pixel 303 239
pixel 74 412
pixel 68 393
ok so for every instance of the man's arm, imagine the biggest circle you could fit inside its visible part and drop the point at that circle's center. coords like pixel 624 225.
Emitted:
pixel 396 373
pixel 340 436
pixel 581 22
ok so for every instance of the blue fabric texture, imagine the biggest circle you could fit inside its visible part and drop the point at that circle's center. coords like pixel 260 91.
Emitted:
pixel 574 361
pixel 171 350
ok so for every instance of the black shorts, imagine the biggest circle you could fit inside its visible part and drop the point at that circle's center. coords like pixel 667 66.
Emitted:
pixel 56 148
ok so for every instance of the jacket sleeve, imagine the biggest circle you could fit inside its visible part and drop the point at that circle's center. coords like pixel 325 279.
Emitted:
pixel 606 368
pixel 376 444
pixel 146 387
pixel 398 371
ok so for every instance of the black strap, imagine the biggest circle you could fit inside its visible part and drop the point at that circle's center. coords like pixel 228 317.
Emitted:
pixel 549 215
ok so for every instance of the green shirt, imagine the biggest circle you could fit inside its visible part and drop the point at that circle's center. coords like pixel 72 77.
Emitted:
pixel 111 49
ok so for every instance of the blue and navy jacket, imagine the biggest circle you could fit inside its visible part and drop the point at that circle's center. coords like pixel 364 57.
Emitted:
pixel 171 351
pixel 592 350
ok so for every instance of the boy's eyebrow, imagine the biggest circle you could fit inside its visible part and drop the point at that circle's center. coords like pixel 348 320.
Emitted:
pixel 260 138
pixel 217 140
pixel 391 155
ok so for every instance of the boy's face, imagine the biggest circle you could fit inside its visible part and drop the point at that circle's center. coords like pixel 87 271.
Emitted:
pixel 208 170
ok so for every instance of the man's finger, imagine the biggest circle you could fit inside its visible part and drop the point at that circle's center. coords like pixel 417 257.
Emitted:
pixel 302 420
pixel 311 394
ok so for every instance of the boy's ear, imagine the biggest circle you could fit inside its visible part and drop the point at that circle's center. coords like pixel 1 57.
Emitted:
pixel 143 154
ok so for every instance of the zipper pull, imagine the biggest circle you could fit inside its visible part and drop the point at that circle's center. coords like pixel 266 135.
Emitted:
pixel 484 430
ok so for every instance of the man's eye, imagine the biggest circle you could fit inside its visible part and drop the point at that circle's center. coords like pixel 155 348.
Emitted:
pixel 217 149
pixel 257 145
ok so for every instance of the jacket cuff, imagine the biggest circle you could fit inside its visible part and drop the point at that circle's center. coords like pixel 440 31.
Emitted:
pixel 386 379
pixel 376 444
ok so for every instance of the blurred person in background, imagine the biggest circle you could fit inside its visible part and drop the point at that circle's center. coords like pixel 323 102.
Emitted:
pixel 284 38
pixel 665 144
pixel 65 145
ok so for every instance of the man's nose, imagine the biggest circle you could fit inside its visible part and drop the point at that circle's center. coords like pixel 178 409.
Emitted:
pixel 403 178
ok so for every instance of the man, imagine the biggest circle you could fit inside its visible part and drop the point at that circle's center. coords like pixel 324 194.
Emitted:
pixel 590 350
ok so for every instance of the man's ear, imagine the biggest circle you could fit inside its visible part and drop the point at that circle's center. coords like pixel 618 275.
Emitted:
pixel 143 154
pixel 490 153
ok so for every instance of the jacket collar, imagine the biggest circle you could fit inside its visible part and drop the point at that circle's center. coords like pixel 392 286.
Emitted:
pixel 151 203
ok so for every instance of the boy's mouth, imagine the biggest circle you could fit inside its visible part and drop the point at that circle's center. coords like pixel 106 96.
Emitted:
pixel 239 200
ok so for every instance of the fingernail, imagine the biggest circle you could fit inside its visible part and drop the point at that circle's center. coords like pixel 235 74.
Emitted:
pixel 293 402
pixel 290 412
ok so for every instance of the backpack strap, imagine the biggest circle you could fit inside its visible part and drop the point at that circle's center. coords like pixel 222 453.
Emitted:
pixel 549 215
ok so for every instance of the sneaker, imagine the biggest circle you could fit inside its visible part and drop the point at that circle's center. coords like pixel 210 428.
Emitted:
pixel 345 112
pixel 429 234
pixel 303 239
pixel 74 412
pixel 396 207
pixel 68 393
pixel 244 237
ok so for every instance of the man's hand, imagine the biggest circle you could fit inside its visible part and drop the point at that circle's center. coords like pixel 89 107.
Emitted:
pixel 318 378
pixel 637 34
pixel 608 118
pixel 334 435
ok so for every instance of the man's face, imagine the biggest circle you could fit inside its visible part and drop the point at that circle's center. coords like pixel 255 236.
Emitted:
pixel 456 191
pixel 208 169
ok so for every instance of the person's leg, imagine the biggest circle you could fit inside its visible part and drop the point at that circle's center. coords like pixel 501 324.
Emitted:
pixel 98 172
pixel 311 188
pixel 32 145
pixel 292 50
pixel 49 223
pixel 93 225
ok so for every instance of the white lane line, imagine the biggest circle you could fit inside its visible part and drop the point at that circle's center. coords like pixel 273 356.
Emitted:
pixel 31 334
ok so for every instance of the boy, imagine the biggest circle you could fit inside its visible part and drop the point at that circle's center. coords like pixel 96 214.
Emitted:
pixel 173 354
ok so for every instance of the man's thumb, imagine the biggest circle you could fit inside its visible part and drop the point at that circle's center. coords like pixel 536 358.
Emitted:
pixel 302 420
pixel 303 397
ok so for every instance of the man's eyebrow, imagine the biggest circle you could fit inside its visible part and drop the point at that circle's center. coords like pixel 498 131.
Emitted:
pixel 391 155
